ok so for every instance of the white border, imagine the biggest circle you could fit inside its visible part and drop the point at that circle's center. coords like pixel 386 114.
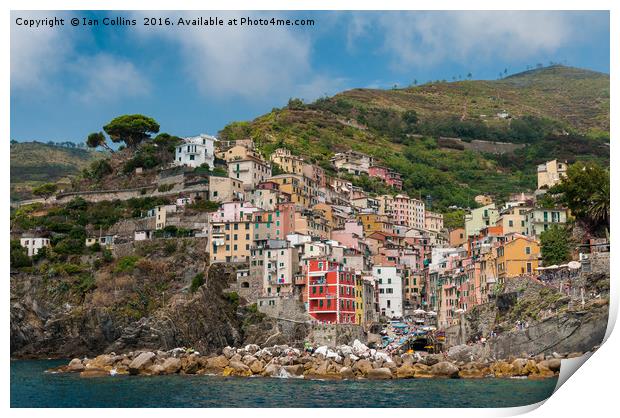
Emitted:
pixel 591 392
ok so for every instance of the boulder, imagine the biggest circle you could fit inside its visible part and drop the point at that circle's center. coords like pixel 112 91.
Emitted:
pixel 379 374
pixel 407 359
pixel 405 372
pixel 474 370
pixel 554 364
pixel 461 352
pixel 519 367
pixel 502 369
pixel 363 367
pixel 347 373
pixel 141 363
pixel 445 369
pixel 359 348
pixel 103 361
pixel 380 355
pixel 190 364
pixel 75 365
pixel 248 359
pixel 228 352
pixel 422 371
pixel 94 373
pixel 543 371
pixel 574 355
pixel 156 369
pixel 272 370
pixel 236 368
pixel 236 357
pixel 252 348
pixel 295 370
pixel 257 366
pixel 432 359
pixel 171 365
pixel 218 362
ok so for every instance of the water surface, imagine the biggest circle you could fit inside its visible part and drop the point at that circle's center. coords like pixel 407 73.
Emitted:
pixel 30 387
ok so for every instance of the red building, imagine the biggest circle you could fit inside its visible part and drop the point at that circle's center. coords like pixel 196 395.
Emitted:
pixel 389 177
pixel 330 292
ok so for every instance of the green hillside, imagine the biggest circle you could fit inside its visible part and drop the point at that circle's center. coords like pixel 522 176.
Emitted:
pixel 34 163
pixel 557 112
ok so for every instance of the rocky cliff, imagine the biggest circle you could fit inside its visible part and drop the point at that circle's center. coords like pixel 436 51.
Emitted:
pixel 145 301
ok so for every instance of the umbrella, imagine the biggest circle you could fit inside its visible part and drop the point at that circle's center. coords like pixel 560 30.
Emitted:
pixel 459 311
pixel 419 312
pixel 431 313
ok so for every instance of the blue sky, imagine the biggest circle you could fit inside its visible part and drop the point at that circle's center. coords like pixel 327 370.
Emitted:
pixel 69 81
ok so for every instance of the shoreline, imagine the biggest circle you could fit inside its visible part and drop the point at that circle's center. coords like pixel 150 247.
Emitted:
pixel 355 362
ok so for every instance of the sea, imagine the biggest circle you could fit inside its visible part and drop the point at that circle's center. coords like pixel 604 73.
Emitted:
pixel 32 387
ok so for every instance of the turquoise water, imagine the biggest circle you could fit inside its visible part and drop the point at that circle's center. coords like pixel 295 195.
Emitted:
pixel 30 387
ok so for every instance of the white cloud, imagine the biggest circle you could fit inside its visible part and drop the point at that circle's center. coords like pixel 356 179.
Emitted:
pixel 44 61
pixel 105 77
pixel 255 63
pixel 428 38
pixel 36 52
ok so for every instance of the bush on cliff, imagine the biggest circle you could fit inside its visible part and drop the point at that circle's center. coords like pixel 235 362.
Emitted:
pixel 126 264
pixel 19 257
pixel 197 281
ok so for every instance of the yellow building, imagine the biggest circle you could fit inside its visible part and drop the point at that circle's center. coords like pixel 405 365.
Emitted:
pixel 550 173
pixel 359 300
pixel 513 220
pixel 300 188
pixel 517 256
pixel 231 241
pixel 288 162
pixel 238 152
pixel 372 222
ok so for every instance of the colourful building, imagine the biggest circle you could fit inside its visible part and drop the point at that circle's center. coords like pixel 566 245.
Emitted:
pixel 330 292
pixel 517 256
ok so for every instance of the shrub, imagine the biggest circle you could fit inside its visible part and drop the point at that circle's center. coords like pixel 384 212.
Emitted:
pixel 126 264
pixel 69 246
pixel 204 206
pixel 232 298
pixel 170 247
pixel 19 256
pixel 107 255
pixel 163 188
pixel 197 281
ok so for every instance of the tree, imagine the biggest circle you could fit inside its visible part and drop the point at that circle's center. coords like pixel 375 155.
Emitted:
pixel 585 191
pixel 45 190
pixel 454 219
pixel 469 75
pixel 295 104
pixel 97 139
pixel 19 257
pixel 555 245
pixel 131 129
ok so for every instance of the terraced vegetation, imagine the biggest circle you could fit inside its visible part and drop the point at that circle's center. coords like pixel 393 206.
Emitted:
pixel 558 112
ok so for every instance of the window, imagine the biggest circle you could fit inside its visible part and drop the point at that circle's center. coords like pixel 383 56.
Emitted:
pixel 528 250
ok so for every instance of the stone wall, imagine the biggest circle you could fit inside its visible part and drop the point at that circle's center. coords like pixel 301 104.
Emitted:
pixel 333 335
pixel 285 307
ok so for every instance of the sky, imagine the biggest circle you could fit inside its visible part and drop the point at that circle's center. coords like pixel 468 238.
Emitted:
pixel 69 81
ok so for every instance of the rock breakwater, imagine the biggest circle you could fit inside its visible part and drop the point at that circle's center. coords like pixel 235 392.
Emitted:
pixel 355 361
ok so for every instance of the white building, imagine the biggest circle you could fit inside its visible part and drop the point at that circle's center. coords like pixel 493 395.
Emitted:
pixel 538 220
pixel 196 151
pixel 250 172
pixel 33 244
pixel 390 286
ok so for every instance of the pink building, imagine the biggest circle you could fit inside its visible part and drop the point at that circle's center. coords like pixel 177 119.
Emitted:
pixel 389 177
